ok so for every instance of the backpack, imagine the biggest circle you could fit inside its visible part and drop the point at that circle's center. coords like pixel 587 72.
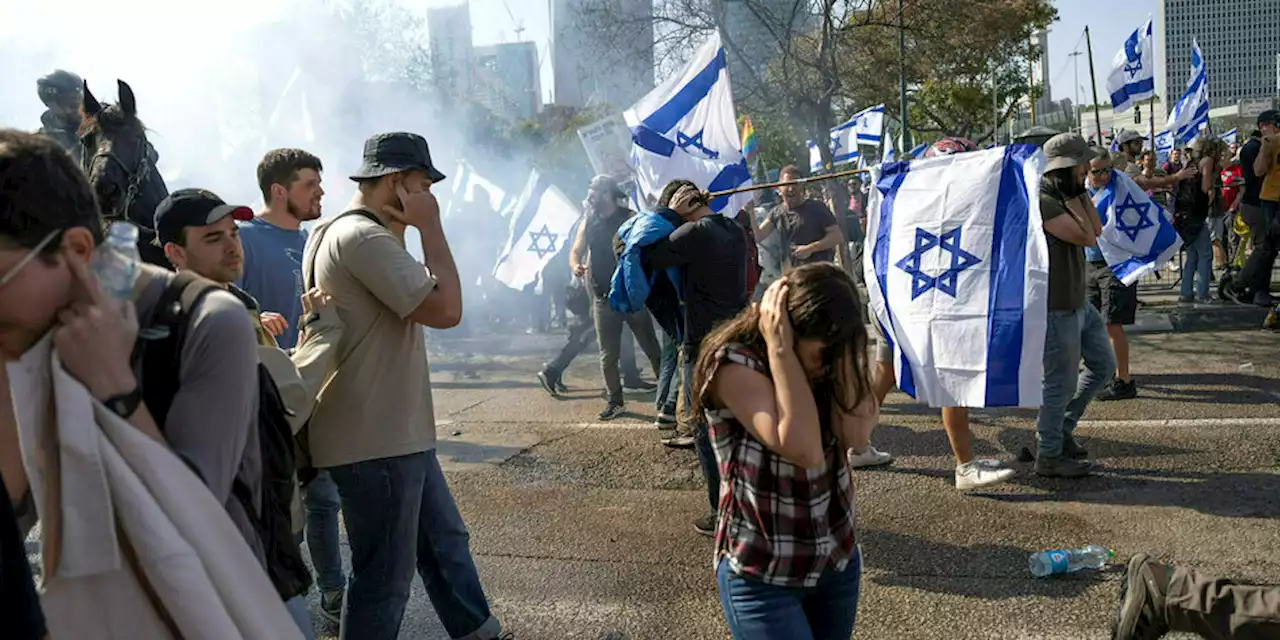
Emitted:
pixel 158 355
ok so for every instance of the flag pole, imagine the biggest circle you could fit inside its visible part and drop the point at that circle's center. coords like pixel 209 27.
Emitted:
pixel 1151 120
pixel 1093 83
pixel 784 183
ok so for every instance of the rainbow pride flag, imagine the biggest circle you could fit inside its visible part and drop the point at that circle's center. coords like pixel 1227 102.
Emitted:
pixel 750 143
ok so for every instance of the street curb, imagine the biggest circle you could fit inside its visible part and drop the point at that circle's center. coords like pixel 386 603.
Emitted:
pixel 1191 319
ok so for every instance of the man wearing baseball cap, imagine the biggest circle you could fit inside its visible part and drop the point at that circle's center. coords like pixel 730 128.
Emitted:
pixel 1075 329
pixel 1260 165
pixel 373 427
pixel 1130 145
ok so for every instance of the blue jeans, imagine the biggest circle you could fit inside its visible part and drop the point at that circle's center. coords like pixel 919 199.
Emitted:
pixel 397 509
pixel 1071 336
pixel 668 394
pixel 323 504
pixel 701 437
pixel 758 611
pixel 1199 264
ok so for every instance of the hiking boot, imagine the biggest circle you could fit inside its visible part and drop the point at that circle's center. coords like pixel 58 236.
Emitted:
pixel 706 525
pixel 1141 615
pixel 872 457
pixel 331 605
pixel 1072 449
pixel 1061 467
pixel 550 381
pixel 611 411
pixel 977 474
pixel 1118 390
pixel 638 384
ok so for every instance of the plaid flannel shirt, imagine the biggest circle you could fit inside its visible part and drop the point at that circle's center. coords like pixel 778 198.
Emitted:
pixel 780 524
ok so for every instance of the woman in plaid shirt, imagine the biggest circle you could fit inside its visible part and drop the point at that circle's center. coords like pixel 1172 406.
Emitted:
pixel 786 391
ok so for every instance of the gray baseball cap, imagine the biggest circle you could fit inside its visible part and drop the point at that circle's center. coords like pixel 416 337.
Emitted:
pixel 1066 150
pixel 1127 136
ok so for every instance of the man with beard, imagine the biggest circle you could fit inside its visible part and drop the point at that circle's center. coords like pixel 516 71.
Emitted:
pixel 274 239
pixel 60 91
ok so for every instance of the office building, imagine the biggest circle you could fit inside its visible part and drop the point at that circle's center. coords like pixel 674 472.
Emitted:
pixel 1240 41
pixel 449 41
pixel 1045 102
pixel 594 64
pixel 505 80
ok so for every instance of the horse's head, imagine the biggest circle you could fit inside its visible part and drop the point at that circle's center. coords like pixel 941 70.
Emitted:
pixel 120 162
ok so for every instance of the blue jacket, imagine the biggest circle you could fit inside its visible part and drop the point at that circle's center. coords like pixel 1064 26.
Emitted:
pixel 633 287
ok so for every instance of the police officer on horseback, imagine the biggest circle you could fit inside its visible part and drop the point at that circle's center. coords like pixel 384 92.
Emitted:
pixel 61 92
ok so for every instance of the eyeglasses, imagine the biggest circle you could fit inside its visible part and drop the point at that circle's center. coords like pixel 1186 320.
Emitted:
pixel 31 255
pixel 1098 172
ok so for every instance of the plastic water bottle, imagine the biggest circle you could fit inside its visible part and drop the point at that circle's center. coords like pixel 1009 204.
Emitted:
pixel 1047 563
pixel 116 262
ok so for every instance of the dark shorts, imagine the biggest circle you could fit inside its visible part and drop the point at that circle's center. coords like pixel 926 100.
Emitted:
pixel 1117 303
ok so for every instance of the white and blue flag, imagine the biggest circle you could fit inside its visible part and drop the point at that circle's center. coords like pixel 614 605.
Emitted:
pixel 468 185
pixel 865 128
pixel 1191 112
pixel 815 157
pixel 1133 70
pixel 1164 145
pixel 686 128
pixel 542 222
pixel 1230 136
pixel 918 150
pixel 958 275
pixel 887 151
pixel 1137 234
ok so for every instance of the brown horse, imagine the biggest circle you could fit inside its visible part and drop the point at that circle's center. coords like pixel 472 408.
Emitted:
pixel 121 165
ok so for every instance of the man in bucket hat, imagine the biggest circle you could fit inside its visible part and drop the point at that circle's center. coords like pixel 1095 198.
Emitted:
pixel 1075 330
pixel 373 428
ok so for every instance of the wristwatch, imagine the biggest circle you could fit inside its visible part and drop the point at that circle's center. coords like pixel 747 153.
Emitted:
pixel 126 404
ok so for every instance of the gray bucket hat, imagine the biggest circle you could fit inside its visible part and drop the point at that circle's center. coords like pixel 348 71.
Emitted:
pixel 1066 150
pixel 388 153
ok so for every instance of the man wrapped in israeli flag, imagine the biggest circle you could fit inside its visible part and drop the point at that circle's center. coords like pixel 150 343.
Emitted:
pixel 958 275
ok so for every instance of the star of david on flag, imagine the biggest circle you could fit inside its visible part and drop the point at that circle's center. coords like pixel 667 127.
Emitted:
pixel 1132 77
pixel 957 271
pixel 1137 233
pixel 540 218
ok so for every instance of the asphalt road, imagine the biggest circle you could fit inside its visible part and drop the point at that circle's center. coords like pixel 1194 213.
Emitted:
pixel 583 529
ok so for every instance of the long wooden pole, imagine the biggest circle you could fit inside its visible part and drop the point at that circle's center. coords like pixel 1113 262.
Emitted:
pixel 1093 83
pixel 784 183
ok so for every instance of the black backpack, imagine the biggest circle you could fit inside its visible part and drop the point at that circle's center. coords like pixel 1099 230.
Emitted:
pixel 158 359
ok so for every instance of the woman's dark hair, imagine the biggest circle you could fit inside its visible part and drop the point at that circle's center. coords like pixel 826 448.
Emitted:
pixel 1062 184
pixel 823 303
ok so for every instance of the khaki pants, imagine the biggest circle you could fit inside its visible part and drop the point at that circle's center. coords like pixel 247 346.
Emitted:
pixel 1217 608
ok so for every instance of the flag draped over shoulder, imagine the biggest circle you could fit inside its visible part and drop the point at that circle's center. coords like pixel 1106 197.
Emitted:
pixel 541 223
pixel 1137 234
pixel 958 273
pixel 685 128
pixel 1133 70
pixel 1192 110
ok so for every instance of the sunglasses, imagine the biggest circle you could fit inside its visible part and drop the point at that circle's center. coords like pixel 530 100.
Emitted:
pixel 31 255
pixel 1098 172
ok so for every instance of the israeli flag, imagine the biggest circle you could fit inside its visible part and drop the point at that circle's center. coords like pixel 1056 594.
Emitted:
pixel 1137 234
pixel 468 185
pixel 958 275
pixel 1164 145
pixel 687 128
pixel 1133 70
pixel 887 152
pixel 1229 137
pixel 815 156
pixel 865 128
pixel 541 225
pixel 918 150
pixel 1191 112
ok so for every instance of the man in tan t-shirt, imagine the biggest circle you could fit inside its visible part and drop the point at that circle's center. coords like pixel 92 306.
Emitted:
pixel 373 426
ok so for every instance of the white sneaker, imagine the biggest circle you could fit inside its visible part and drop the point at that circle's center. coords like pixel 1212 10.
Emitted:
pixel 872 457
pixel 976 474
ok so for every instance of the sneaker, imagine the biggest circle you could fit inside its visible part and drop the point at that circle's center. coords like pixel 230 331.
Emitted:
pixel 1118 390
pixel 550 382
pixel 331 605
pixel 872 457
pixel 560 386
pixel 706 525
pixel 1185 300
pixel 638 384
pixel 1141 615
pixel 674 440
pixel 611 411
pixel 976 474
pixel 1061 467
pixel 665 421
